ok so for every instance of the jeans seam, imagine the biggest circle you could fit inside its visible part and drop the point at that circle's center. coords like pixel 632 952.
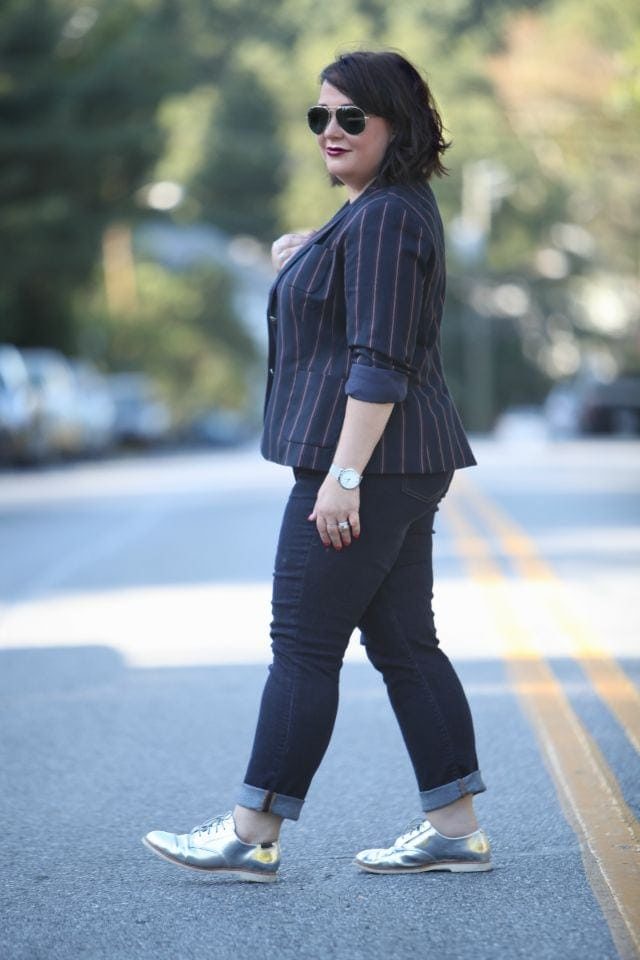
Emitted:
pixel 284 740
pixel 451 756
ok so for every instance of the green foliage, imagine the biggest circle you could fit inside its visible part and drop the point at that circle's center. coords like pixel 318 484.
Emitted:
pixel 98 100
pixel 241 171
pixel 182 329
pixel 79 87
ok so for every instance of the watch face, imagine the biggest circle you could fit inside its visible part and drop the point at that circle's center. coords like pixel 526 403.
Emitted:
pixel 349 479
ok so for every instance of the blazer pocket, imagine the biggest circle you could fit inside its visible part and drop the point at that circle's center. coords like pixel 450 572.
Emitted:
pixel 316 410
pixel 312 273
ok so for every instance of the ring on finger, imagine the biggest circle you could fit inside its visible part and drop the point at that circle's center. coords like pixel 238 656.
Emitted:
pixel 343 525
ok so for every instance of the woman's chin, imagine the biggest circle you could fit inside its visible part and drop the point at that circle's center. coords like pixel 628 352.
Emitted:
pixel 336 170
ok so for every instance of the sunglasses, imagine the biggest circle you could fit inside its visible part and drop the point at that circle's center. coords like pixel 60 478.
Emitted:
pixel 352 119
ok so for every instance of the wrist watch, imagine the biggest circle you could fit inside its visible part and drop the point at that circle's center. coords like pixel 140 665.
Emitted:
pixel 347 477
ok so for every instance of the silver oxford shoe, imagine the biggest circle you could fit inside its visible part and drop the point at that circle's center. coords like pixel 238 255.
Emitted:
pixel 215 847
pixel 422 848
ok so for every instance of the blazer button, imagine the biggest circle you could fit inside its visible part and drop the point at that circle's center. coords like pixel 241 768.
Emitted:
pixel 271 371
pixel 273 318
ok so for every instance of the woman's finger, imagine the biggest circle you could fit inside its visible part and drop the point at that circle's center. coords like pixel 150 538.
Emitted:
pixel 345 532
pixel 285 246
pixel 278 251
pixel 321 527
pixel 334 535
pixel 354 523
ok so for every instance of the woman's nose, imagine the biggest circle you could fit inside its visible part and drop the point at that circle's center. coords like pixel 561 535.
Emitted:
pixel 333 128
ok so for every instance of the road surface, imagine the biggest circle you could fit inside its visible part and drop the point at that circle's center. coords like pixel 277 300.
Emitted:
pixel 134 610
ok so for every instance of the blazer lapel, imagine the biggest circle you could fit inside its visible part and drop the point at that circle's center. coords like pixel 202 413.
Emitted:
pixel 314 238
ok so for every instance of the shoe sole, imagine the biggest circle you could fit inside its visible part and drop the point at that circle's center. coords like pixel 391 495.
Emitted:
pixel 248 875
pixel 452 866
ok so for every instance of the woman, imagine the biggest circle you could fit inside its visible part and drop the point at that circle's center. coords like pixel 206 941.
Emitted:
pixel 357 405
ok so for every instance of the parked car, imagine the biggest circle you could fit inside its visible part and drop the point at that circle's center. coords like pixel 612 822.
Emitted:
pixel 142 417
pixel 218 428
pixel 57 428
pixel 17 406
pixel 612 407
pixel 589 406
pixel 96 408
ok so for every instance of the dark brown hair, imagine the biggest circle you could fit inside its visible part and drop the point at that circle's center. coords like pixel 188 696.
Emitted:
pixel 386 85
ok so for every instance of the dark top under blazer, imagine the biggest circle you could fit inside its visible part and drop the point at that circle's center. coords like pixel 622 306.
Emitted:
pixel 357 312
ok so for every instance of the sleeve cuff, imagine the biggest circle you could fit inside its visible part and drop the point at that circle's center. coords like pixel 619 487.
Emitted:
pixel 376 385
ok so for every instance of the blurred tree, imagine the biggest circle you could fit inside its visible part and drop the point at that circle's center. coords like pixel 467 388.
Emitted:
pixel 568 80
pixel 184 332
pixel 242 169
pixel 99 99
pixel 79 88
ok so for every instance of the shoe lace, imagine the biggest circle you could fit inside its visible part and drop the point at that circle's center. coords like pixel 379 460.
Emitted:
pixel 414 827
pixel 212 826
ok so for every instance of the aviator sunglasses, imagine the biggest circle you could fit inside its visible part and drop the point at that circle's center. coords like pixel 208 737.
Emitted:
pixel 352 119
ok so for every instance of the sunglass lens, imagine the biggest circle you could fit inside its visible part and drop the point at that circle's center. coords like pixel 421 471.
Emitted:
pixel 318 119
pixel 351 119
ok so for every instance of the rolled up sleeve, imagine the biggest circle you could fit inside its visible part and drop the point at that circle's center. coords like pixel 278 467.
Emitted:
pixel 375 385
pixel 387 254
pixel 375 378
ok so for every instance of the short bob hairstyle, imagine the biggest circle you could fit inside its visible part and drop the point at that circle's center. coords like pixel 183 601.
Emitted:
pixel 386 85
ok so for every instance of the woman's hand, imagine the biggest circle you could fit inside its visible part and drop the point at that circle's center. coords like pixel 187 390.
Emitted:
pixel 285 246
pixel 335 506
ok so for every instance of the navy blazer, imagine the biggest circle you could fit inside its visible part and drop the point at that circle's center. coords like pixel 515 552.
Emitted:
pixel 356 312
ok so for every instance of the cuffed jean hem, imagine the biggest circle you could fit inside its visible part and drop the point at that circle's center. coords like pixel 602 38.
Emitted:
pixel 448 792
pixel 267 801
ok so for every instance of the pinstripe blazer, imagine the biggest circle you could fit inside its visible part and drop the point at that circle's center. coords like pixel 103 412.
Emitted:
pixel 356 311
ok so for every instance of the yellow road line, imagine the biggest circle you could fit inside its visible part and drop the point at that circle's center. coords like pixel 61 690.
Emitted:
pixel 608 832
pixel 609 680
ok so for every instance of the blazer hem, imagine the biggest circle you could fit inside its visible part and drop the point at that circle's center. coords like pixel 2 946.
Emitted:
pixel 311 457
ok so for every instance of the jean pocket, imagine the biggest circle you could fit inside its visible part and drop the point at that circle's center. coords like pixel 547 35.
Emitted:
pixel 429 488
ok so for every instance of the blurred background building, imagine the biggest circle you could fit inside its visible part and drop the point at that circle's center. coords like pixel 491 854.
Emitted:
pixel 150 150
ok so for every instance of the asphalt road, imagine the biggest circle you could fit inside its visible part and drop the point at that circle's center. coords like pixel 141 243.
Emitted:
pixel 134 609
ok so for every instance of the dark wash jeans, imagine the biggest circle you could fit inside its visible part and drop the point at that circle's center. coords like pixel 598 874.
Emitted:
pixel 382 583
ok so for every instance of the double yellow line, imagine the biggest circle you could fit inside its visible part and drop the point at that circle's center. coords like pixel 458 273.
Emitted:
pixel 591 799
